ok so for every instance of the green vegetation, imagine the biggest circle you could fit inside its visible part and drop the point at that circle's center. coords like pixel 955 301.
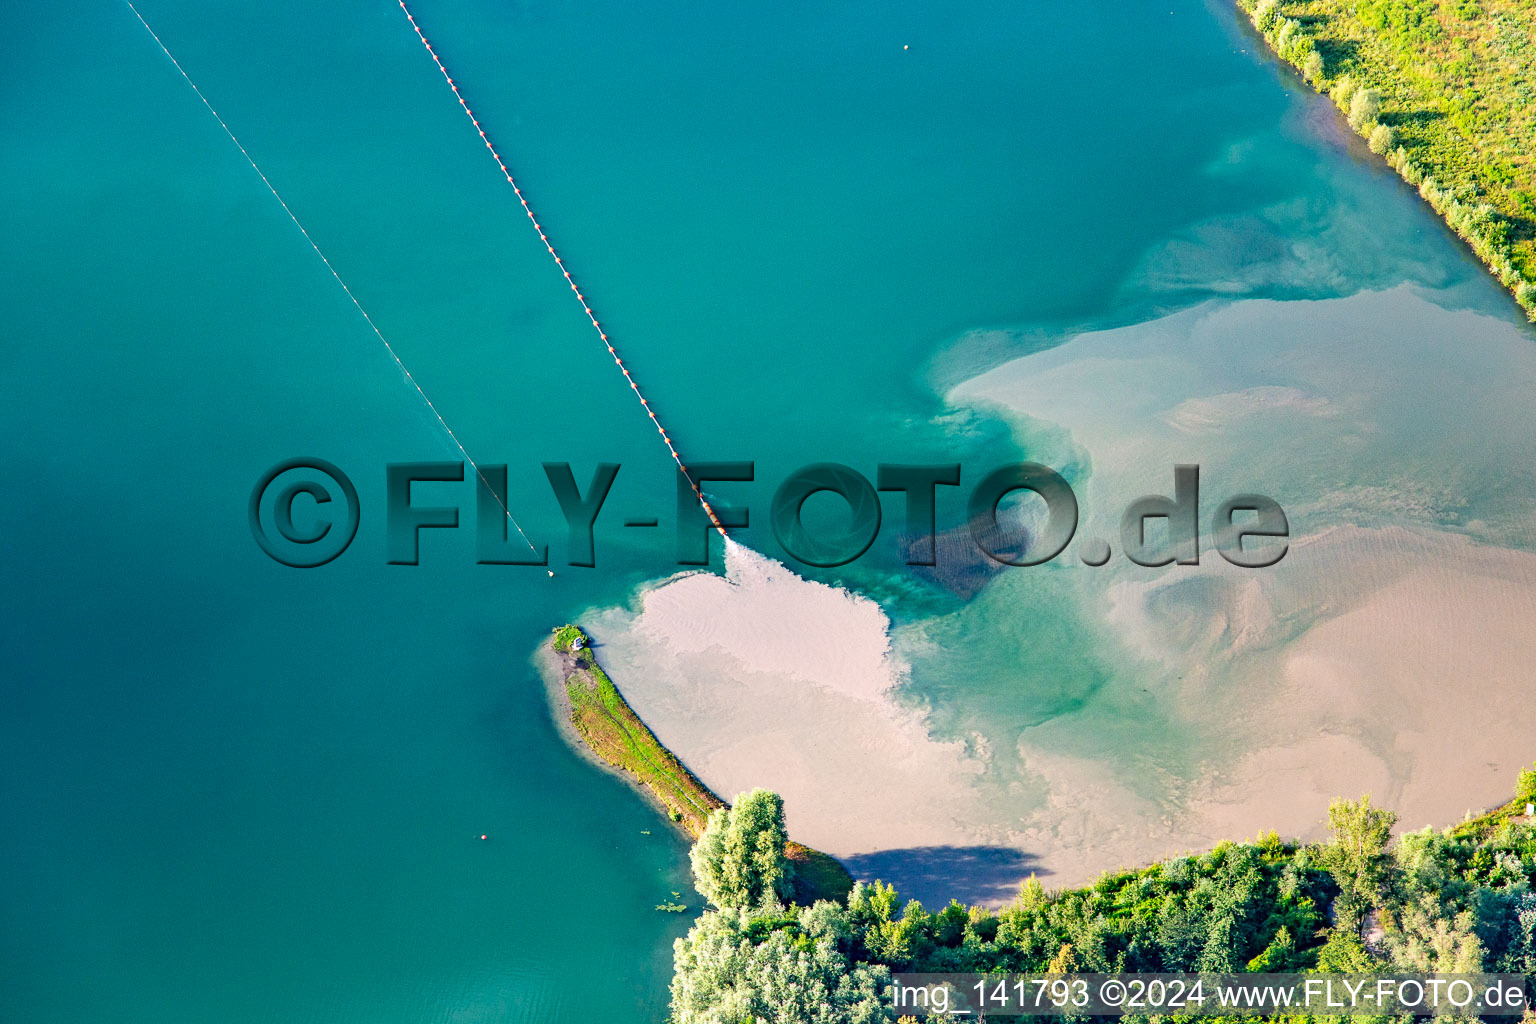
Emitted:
pixel 818 876
pixel 1445 91
pixel 1357 858
pixel 611 729
pixel 1525 788
pixel 739 861
pixel 1454 900
pixel 736 969
pixel 615 733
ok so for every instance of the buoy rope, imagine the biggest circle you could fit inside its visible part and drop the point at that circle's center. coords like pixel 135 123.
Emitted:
pixel 330 267
pixel 560 263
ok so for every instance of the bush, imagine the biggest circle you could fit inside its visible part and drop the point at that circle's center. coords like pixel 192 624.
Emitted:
pixel 1382 139
pixel 565 636
pixel 1364 107
pixel 1525 293
pixel 1299 47
pixel 1342 91
pixel 1525 785
pixel 1285 38
pixel 1265 16
pixel 1312 68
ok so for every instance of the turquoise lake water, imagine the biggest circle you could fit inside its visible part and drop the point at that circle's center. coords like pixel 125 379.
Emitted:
pixel 239 792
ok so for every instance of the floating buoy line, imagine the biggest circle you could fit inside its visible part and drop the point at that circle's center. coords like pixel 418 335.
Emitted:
pixel 560 263
pixel 374 327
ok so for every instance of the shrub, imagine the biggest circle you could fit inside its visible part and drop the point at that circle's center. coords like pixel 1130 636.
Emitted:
pixel 1285 38
pixel 1382 139
pixel 1525 292
pixel 1342 90
pixel 565 636
pixel 1364 107
pixel 1312 68
pixel 1265 16
pixel 1300 48
pixel 1525 785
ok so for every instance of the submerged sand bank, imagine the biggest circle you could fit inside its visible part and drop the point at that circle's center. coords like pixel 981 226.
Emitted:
pixel 1390 651
pixel 768 679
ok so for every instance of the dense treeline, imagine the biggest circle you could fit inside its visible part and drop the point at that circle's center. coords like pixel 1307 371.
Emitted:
pixel 1453 900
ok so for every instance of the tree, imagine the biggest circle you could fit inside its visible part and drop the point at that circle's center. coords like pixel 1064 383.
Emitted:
pixel 1180 933
pixel 1343 953
pixel 1520 957
pixel 739 861
pixel 871 904
pixel 721 976
pixel 1427 862
pixel 1064 962
pixel 1278 957
pixel 1357 858
pixel 1031 894
pixel 1428 939
pixel 949 924
pixel 1381 139
pixel 1525 785
pixel 826 920
pixel 1221 937
pixel 891 942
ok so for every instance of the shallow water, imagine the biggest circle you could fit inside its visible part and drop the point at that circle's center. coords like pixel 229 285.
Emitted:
pixel 239 791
